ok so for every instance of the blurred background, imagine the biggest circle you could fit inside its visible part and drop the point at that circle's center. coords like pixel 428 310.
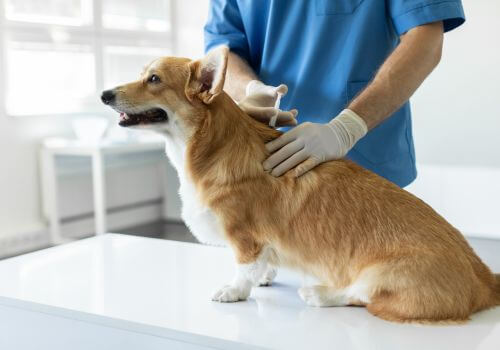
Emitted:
pixel 56 136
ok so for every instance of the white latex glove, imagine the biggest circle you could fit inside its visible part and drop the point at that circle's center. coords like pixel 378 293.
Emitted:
pixel 260 100
pixel 310 144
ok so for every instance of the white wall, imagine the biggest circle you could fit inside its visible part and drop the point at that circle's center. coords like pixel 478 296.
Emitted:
pixel 457 125
pixel 191 17
pixel 457 110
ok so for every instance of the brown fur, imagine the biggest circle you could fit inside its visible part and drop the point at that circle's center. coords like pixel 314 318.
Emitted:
pixel 336 222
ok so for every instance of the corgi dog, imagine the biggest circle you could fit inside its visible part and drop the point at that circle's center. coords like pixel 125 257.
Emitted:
pixel 367 241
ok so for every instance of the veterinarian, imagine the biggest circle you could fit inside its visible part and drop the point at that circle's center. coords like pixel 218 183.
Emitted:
pixel 350 66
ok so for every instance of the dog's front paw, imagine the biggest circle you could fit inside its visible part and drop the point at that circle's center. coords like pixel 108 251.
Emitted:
pixel 230 294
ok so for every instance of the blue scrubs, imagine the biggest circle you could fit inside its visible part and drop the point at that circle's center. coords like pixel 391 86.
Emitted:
pixel 327 51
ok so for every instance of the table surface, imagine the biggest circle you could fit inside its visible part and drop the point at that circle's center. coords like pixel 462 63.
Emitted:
pixel 163 288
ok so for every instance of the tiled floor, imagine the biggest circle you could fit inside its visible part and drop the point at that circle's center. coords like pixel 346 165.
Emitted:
pixel 176 231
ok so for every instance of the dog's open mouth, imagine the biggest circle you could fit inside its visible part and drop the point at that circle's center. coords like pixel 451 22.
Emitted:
pixel 155 115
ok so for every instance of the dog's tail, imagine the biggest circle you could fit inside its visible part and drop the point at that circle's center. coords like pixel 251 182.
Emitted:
pixel 496 289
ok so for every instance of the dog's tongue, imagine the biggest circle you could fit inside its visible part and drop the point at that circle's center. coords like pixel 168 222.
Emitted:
pixel 123 116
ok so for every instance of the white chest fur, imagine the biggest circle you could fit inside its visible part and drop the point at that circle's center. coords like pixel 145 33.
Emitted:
pixel 199 218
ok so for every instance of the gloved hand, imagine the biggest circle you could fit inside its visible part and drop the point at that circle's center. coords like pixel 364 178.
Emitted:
pixel 310 144
pixel 259 104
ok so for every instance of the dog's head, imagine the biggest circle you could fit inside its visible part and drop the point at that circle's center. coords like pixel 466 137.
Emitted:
pixel 171 92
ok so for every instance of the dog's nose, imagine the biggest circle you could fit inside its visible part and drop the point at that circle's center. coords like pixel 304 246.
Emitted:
pixel 108 97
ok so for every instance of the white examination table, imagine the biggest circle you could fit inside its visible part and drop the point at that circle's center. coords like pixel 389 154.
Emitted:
pixel 132 293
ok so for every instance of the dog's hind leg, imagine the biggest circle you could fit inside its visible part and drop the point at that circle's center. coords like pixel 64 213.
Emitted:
pixel 357 293
pixel 323 296
pixel 427 290
pixel 272 269
pixel 268 277
pixel 402 307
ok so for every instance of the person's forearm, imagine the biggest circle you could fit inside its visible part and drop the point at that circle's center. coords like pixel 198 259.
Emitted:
pixel 405 69
pixel 238 75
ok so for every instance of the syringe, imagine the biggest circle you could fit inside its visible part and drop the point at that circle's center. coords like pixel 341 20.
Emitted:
pixel 274 118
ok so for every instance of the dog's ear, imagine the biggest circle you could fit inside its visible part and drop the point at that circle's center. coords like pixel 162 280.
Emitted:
pixel 207 75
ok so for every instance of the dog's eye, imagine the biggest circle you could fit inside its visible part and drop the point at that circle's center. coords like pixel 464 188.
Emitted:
pixel 154 79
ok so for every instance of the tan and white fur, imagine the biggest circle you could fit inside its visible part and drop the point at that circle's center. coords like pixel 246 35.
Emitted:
pixel 369 242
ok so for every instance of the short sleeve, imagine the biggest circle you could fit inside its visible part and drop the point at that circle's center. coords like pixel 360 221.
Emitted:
pixel 407 14
pixel 225 27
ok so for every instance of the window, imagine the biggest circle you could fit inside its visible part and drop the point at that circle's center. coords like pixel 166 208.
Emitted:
pixel 123 63
pixel 62 76
pixel 125 14
pixel 60 54
pixel 65 12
